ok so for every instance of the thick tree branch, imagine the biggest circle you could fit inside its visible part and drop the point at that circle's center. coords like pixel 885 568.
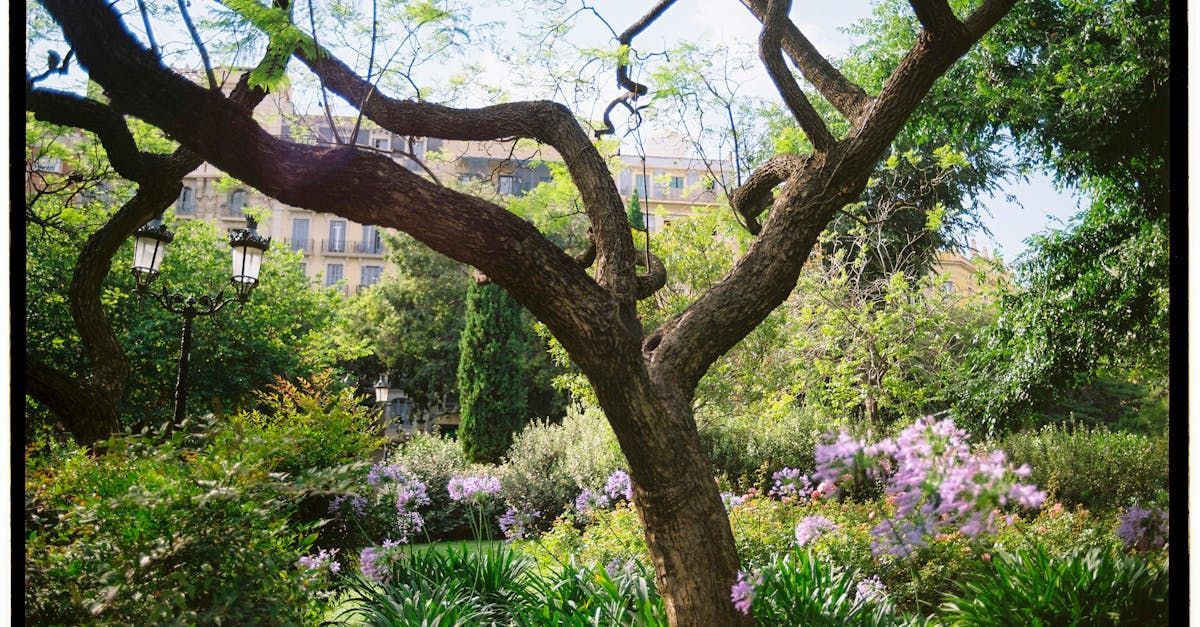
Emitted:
pixel 756 194
pixel 936 17
pixel 772 56
pixel 762 279
pixel 67 109
pixel 634 90
pixel 545 121
pixel 363 186
pixel 844 95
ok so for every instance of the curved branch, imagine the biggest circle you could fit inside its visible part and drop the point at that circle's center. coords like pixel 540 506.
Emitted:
pixel 626 39
pixel 843 94
pixel 772 56
pixel 756 194
pixel 67 109
pixel 654 279
pixel 936 17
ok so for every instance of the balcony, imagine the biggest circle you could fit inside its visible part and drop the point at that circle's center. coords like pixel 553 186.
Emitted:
pixel 304 245
pixel 357 248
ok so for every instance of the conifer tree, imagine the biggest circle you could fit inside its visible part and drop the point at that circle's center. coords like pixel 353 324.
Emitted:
pixel 491 382
pixel 636 218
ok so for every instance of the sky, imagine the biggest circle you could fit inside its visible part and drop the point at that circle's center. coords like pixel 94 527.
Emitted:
pixel 1019 209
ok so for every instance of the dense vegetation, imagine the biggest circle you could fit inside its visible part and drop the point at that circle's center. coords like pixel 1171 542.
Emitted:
pixel 1034 490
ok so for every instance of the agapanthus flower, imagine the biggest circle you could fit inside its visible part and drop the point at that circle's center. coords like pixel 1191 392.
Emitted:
pixel 617 568
pixel 379 472
pixel 357 503
pixel 1144 529
pixel 323 559
pixel 589 500
pixel 731 500
pixel 368 563
pixel 472 488
pixel 516 523
pixel 619 486
pixel 742 593
pixel 870 590
pixel 790 482
pixel 811 528
pixel 934 481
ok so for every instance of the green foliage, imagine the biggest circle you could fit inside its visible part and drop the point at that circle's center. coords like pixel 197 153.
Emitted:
pixel 492 396
pixel 637 220
pixel 195 527
pixel 1095 468
pixel 434 460
pixel 1090 587
pixel 497 585
pixel 744 448
pixel 549 464
pixel 801 589
pixel 325 426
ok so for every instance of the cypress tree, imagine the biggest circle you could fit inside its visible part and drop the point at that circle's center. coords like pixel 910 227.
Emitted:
pixel 491 380
pixel 636 218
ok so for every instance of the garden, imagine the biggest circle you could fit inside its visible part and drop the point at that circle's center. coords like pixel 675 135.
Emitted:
pixel 778 410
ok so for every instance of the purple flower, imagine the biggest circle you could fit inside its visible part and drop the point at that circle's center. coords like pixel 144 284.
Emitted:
pixel 515 523
pixel 1143 529
pixel 790 482
pixel 357 503
pixel 368 563
pixel 589 501
pixel 380 472
pixel 811 528
pixel 619 486
pixel 617 568
pixel 870 590
pixel 472 488
pixel 742 593
pixel 323 559
pixel 731 500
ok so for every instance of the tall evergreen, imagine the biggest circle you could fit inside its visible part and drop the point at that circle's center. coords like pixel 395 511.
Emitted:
pixel 636 218
pixel 491 382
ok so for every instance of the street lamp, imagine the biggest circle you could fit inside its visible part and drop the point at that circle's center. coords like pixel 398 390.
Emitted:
pixel 149 248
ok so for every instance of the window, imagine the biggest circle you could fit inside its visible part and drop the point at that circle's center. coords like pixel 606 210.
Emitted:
pixel 623 184
pixel 337 236
pixel 300 234
pixel 466 178
pixel 506 185
pixel 383 143
pixel 371 242
pixel 186 202
pixel 948 286
pixel 642 190
pixel 48 164
pixel 676 182
pixel 237 202
pixel 370 275
pixel 333 273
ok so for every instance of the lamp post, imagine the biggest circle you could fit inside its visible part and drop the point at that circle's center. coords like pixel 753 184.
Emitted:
pixel 150 246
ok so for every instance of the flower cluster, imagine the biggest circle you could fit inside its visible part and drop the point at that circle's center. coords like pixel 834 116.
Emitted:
pixel 472 488
pixel 790 482
pixel 516 524
pixel 1143 529
pixel 616 568
pixel 742 592
pixel 322 560
pixel 619 486
pixel 372 560
pixel 935 481
pixel 589 500
pixel 811 528
pixel 357 503
pixel 379 472
pixel 731 500
pixel 870 590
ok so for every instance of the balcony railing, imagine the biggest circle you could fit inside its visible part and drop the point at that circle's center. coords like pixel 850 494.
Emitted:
pixel 305 245
pixel 344 247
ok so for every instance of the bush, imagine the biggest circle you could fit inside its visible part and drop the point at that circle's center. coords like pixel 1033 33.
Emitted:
pixel 434 460
pixel 1091 587
pixel 746 449
pixel 194 528
pixel 1097 469
pixel 548 464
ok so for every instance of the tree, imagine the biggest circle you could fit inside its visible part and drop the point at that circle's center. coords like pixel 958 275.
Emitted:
pixel 636 219
pixel 644 380
pixel 491 391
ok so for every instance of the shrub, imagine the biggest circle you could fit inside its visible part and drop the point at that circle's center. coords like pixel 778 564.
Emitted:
pixel 1091 587
pixel 1097 469
pixel 434 460
pixel 747 448
pixel 193 528
pixel 548 464
pixel 316 424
